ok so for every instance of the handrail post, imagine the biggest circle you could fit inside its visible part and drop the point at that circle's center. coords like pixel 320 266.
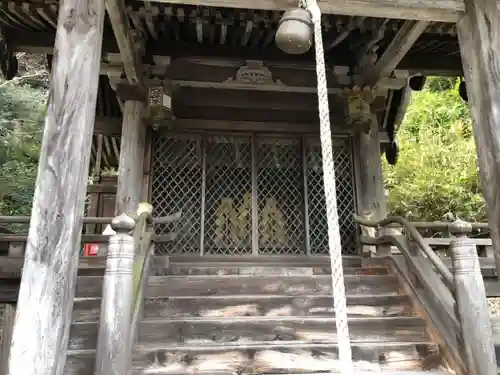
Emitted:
pixel 472 305
pixel 113 355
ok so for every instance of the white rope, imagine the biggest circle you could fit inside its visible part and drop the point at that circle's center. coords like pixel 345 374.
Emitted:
pixel 338 288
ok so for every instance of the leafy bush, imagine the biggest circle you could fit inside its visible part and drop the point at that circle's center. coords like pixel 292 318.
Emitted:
pixel 437 172
pixel 21 124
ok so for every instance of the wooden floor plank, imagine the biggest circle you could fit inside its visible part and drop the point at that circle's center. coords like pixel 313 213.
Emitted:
pixel 266 358
pixel 198 331
pixel 283 329
pixel 88 309
pixel 272 306
pixel 172 286
pixel 180 286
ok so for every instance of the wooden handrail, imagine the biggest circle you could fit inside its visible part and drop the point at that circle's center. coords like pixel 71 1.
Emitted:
pixel 91 220
pixel 467 302
pixel 144 249
pixel 90 238
pixel 143 236
pixel 432 293
pixel 417 237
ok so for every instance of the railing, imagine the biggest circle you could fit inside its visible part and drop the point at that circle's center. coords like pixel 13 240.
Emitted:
pixel 454 301
pixel 129 255
pixel 128 265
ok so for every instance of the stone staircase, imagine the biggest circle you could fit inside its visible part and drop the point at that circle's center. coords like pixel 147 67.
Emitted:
pixel 243 319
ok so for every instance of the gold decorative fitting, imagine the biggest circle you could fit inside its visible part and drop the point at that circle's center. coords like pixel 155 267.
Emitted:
pixel 359 114
pixel 232 223
pixel 272 225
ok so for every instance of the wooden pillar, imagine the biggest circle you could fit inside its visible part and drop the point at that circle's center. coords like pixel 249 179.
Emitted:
pixel 472 306
pixel 9 314
pixel 45 303
pixel 370 184
pixel 132 148
pixel 113 350
pixel 479 36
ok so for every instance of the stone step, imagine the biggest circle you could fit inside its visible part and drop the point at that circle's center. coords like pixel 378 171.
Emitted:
pixel 179 286
pixel 88 309
pixel 259 329
pixel 267 358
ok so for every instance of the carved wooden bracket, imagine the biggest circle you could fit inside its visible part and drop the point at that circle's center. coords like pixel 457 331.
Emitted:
pixel 359 114
pixel 254 73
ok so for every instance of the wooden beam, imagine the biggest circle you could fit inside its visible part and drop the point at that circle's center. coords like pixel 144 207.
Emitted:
pixel 370 186
pixel 261 100
pixel 219 73
pixel 130 165
pixel 397 49
pixel 113 126
pixel 425 63
pixel 440 11
pixel 43 317
pixel 479 37
pixel 125 39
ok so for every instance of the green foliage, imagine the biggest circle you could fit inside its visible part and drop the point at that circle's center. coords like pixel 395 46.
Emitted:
pixel 21 125
pixel 437 84
pixel 437 172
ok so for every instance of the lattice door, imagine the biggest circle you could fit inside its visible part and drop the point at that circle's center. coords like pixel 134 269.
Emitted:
pixel 346 204
pixel 228 196
pixel 280 196
pixel 177 182
pixel 250 194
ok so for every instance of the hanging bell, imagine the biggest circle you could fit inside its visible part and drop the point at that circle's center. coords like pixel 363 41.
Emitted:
pixel 295 32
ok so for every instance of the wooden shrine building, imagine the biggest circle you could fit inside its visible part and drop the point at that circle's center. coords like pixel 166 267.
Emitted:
pixel 232 122
pixel 199 111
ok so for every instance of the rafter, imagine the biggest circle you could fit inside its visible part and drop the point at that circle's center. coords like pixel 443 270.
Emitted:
pixel 397 50
pixel 125 39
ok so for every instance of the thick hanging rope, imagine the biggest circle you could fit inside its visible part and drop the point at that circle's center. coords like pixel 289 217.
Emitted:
pixel 338 288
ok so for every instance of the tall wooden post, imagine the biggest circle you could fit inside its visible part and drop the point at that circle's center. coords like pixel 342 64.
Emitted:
pixel 371 182
pixel 43 314
pixel 472 305
pixel 479 37
pixel 132 148
pixel 370 187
